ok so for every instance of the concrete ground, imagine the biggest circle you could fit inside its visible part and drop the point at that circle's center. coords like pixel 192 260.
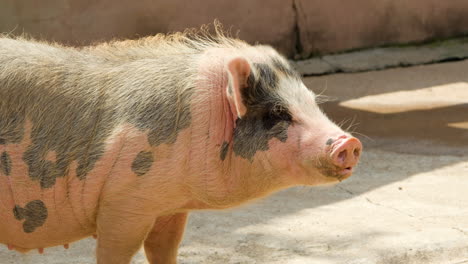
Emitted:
pixel 385 57
pixel 406 203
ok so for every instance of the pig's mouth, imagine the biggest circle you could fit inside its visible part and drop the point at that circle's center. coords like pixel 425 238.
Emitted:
pixel 330 170
pixel 345 173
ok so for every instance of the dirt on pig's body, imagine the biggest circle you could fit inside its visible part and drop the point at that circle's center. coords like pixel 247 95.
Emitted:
pixel 123 139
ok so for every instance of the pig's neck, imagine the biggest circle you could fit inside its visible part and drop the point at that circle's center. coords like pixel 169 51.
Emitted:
pixel 218 177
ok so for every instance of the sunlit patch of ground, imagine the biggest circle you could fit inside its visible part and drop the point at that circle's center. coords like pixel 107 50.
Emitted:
pixel 463 125
pixel 421 99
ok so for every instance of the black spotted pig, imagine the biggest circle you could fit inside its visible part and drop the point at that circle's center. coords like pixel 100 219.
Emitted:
pixel 123 139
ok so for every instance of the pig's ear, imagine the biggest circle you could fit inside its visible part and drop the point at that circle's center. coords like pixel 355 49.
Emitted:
pixel 238 74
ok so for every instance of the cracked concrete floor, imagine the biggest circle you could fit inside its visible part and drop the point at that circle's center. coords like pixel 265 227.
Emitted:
pixel 406 203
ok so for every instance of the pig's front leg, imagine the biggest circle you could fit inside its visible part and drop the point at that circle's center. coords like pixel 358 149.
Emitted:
pixel 120 232
pixel 163 241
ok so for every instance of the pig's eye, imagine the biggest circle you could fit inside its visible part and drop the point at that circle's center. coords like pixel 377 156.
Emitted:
pixel 270 119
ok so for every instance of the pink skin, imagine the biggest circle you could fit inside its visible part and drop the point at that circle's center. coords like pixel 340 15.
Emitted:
pixel 339 158
pixel 123 209
pixel 71 203
pixel 345 154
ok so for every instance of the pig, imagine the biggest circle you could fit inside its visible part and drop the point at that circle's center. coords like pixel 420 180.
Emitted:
pixel 123 139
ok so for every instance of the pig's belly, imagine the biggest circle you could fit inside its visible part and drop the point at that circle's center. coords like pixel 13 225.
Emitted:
pixel 34 218
pixel 49 235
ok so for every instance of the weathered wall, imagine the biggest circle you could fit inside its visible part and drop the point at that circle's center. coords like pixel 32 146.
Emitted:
pixel 302 27
pixel 80 22
pixel 336 25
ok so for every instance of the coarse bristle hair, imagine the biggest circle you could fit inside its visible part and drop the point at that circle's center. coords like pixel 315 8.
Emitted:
pixel 190 41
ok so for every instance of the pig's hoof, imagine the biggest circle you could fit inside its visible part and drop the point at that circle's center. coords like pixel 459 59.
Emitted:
pixel 66 246
pixel 10 247
pixel 40 250
pixel 95 236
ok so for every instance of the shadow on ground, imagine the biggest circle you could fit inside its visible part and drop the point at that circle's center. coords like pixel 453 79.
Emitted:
pixel 417 130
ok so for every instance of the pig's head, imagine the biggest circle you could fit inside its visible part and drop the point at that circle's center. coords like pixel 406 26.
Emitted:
pixel 279 128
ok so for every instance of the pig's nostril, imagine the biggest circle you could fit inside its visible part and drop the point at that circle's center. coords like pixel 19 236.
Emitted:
pixel 342 156
pixel 357 152
pixel 347 154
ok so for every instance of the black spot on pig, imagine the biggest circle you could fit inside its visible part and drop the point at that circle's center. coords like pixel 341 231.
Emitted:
pixel 224 150
pixel 285 68
pixel 11 124
pixel 44 171
pixel 5 163
pixel 34 214
pixel 163 113
pixel 267 116
pixel 251 136
pixel 73 117
pixel 261 88
pixel 66 116
pixel 267 77
pixel 142 163
pixel 79 135
pixel 329 141
pixel 274 116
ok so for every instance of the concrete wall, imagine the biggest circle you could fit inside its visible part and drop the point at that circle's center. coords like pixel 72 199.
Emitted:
pixel 336 25
pixel 295 27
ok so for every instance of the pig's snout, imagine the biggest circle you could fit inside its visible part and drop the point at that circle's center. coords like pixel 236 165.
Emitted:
pixel 345 154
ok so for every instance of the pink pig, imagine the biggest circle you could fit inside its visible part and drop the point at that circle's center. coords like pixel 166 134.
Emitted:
pixel 123 139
